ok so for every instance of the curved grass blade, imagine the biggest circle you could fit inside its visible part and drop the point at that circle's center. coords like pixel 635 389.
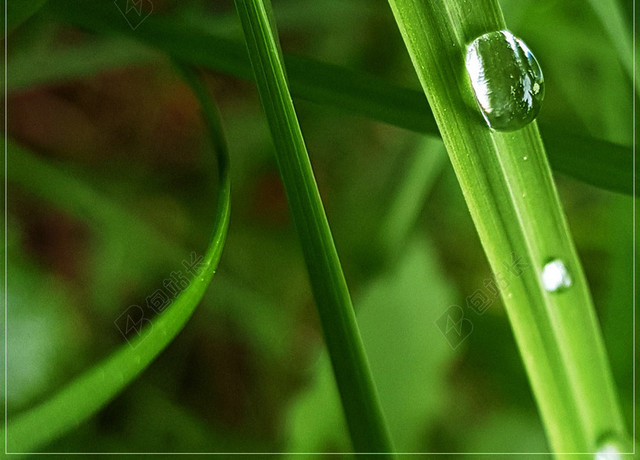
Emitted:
pixel 73 194
pixel 591 160
pixel 97 386
pixel 351 368
pixel 508 187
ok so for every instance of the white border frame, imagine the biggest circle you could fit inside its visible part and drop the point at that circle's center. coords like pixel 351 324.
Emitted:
pixel 633 433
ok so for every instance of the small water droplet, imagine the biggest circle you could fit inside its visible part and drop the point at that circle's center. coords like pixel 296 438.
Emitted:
pixel 611 447
pixel 506 79
pixel 525 158
pixel 555 276
pixel 608 452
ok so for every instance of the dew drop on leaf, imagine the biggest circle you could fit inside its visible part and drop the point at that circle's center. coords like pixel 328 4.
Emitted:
pixel 506 79
pixel 612 446
pixel 555 276
pixel 608 452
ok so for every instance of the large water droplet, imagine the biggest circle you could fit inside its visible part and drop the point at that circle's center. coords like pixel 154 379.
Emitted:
pixel 608 452
pixel 506 79
pixel 555 276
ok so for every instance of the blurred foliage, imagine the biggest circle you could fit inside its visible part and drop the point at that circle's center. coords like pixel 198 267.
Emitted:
pixel 111 124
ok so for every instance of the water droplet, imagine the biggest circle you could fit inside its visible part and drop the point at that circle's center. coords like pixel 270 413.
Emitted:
pixel 525 158
pixel 608 452
pixel 555 276
pixel 506 79
pixel 612 445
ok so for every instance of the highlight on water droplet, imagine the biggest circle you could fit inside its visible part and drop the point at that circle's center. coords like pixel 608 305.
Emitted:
pixel 555 276
pixel 506 79
pixel 608 452
pixel 611 447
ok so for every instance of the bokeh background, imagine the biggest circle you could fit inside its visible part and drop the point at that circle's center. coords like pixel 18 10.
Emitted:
pixel 107 123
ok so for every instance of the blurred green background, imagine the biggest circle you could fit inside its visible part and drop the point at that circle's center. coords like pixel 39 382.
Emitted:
pixel 112 189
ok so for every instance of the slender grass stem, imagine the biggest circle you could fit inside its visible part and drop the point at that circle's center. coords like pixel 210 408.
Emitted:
pixel 350 365
pixel 410 196
pixel 610 14
pixel 507 184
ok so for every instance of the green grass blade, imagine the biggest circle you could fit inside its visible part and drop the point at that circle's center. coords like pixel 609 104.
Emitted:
pixel 97 386
pixel 610 14
pixel 409 197
pixel 18 11
pixel 29 67
pixel 74 194
pixel 592 160
pixel 50 182
pixel 508 187
pixel 351 369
